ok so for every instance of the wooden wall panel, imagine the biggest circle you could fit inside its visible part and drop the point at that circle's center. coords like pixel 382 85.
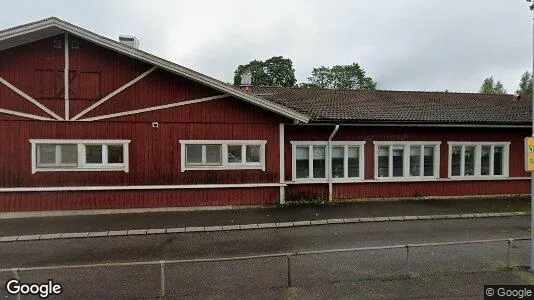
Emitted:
pixel 154 152
pixel 136 199
pixel 408 189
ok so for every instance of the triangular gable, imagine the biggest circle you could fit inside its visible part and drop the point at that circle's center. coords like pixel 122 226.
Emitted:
pixel 52 26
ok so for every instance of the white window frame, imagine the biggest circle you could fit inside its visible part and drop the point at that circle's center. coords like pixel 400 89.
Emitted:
pixel 82 165
pixel 406 160
pixel 225 165
pixel 347 144
pixel 328 160
pixel 478 156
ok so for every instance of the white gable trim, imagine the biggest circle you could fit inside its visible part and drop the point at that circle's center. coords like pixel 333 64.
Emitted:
pixel 114 93
pixel 154 60
pixel 27 97
pixel 153 108
pixel 25 115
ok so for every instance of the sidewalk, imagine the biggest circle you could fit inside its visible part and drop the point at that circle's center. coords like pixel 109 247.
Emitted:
pixel 227 218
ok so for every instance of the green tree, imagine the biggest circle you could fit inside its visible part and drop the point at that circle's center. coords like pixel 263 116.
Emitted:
pixel 489 86
pixel 275 71
pixel 525 84
pixel 350 77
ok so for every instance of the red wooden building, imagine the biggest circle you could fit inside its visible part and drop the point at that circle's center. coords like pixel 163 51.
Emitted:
pixel 89 123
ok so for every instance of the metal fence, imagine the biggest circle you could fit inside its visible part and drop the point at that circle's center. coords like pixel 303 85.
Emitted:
pixel 288 255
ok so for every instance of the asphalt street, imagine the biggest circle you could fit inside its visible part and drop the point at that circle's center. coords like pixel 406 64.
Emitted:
pixel 373 273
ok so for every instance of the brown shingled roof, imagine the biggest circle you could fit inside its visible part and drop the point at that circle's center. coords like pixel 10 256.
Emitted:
pixel 401 106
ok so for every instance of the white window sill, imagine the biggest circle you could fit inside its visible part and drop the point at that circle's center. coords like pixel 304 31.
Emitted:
pixel 121 169
pixel 401 179
pixel 477 177
pixel 228 167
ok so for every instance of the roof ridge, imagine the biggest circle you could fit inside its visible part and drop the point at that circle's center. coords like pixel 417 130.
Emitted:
pixel 380 90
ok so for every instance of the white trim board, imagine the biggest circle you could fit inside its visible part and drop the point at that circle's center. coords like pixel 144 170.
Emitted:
pixel 153 108
pixel 27 97
pixel 136 187
pixel 114 93
pixel 25 115
pixel 53 23
pixel 66 77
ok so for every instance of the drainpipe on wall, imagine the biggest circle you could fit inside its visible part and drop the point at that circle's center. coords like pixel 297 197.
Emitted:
pixel 329 162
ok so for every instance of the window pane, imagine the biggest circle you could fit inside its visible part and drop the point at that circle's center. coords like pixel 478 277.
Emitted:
pixel 193 154
pixel 398 167
pixel 253 153
pixel 302 162
pixel 469 161
pixel 93 154
pixel 354 161
pixel 415 160
pixel 69 154
pixel 383 161
pixel 213 154
pixel 115 154
pixel 234 154
pixel 319 161
pixel 456 160
pixel 498 160
pixel 485 152
pixel 337 162
pixel 46 154
pixel 428 161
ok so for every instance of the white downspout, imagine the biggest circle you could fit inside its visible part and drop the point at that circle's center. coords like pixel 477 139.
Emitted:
pixel 329 162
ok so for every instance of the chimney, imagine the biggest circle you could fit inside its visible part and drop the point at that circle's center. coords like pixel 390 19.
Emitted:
pixel 517 97
pixel 129 40
pixel 246 82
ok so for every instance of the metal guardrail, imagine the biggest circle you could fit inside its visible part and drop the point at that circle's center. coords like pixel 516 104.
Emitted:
pixel 289 255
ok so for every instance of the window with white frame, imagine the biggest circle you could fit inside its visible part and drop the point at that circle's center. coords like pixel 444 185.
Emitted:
pixel 347 160
pixel 79 155
pixel 309 160
pixel 406 160
pixel 478 159
pixel 228 154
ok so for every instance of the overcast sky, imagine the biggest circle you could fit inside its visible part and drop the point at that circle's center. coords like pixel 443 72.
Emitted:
pixel 402 44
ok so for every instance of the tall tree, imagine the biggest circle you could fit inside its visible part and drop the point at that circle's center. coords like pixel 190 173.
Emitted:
pixel 525 84
pixel 489 86
pixel 351 77
pixel 275 71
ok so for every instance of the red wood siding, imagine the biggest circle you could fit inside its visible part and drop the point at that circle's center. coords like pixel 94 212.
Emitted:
pixel 409 189
pixel 39 201
pixel 154 153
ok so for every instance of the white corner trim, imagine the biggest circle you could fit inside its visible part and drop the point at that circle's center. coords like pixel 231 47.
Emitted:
pixel 154 60
pixel 137 187
pixel 27 97
pixel 281 145
pixel 66 76
pixel 114 93
pixel 153 108
pixel 25 115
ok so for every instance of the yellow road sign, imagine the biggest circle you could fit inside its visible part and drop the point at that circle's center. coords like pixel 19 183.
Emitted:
pixel 529 154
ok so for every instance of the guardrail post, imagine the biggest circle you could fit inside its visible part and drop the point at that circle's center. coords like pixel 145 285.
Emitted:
pixel 162 279
pixel 408 258
pixel 508 253
pixel 289 283
pixel 16 274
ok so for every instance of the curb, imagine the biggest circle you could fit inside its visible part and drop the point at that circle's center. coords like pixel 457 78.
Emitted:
pixel 153 231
